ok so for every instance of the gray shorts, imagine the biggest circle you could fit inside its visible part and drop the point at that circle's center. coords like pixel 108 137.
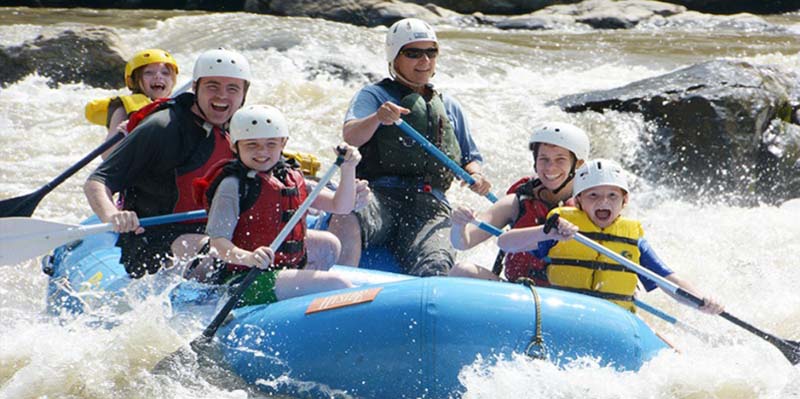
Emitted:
pixel 414 226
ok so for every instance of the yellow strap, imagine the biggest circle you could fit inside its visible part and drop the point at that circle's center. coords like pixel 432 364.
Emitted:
pixel 309 164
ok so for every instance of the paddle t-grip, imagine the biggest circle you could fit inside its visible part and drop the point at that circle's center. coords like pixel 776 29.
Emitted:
pixel 551 223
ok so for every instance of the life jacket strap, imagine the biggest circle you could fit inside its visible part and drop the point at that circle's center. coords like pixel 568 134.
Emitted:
pixel 596 236
pixel 287 215
pixel 589 264
pixel 291 246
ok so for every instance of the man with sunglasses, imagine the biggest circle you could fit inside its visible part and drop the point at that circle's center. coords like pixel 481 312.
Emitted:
pixel 408 211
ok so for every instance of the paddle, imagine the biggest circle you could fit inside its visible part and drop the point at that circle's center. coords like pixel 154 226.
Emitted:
pixel 199 343
pixel 789 349
pixel 646 307
pixel 25 205
pixel 436 152
pixel 24 238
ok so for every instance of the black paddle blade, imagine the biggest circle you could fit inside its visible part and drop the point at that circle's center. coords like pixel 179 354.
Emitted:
pixel 790 349
pixel 20 206
pixel 200 351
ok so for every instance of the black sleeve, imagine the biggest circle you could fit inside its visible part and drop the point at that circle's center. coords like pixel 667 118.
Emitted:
pixel 138 153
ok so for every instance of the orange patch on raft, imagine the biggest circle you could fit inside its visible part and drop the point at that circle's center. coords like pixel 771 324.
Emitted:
pixel 341 300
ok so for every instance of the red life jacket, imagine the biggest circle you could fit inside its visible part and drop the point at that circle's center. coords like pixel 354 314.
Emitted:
pixel 137 116
pixel 532 212
pixel 266 202
pixel 184 178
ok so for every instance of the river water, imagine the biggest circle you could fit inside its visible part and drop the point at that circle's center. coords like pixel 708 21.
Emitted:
pixel 746 257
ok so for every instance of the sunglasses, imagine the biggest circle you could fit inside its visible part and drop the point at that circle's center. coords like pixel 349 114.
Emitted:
pixel 417 53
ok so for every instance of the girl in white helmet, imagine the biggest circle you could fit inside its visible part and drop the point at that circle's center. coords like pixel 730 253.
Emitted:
pixel 250 199
pixel 558 149
pixel 408 183
pixel 150 74
pixel 601 192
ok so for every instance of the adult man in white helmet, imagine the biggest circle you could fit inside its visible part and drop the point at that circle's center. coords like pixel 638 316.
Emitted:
pixel 154 166
pixel 408 184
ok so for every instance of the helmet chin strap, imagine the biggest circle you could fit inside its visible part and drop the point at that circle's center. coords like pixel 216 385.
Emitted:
pixel 418 87
pixel 569 178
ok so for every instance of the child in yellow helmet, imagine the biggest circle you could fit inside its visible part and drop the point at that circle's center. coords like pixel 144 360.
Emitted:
pixel 601 192
pixel 150 74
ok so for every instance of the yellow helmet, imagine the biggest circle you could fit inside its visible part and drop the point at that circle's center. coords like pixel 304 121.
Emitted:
pixel 146 57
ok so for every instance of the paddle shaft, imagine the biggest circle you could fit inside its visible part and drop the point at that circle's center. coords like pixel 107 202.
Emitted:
pixel 788 348
pixel 151 221
pixel 23 238
pixel 251 276
pixel 442 157
pixel 25 205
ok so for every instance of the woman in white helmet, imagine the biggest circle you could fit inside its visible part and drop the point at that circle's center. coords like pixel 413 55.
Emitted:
pixel 601 192
pixel 177 141
pixel 408 184
pixel 250 199
pixel 558 149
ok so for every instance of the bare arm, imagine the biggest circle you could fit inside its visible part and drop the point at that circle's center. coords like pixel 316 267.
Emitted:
pixel 102 203
pixel 482 185
pixel 711 305
pixel 528 238
pixel 117 118
pixel 261 257
pixel 465 236
pixel 357 132
pixel 344 199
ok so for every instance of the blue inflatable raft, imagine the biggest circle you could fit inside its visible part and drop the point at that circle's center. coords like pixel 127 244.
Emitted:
pixel 393 336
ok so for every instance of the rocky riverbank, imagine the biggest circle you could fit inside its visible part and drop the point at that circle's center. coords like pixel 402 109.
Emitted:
pixel 509 14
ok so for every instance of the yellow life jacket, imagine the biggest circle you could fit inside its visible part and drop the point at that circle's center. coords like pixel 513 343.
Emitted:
pixel 576 267
pixel 96 111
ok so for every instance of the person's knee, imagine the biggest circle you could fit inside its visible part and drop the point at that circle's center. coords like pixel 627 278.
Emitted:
pixel 337 282
pixel 324 249
pixel 187 245
pixel 436 263
pixel 462 269
pixel 345 226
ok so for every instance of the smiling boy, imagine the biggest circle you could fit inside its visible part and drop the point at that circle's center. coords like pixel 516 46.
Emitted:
pixel 252 196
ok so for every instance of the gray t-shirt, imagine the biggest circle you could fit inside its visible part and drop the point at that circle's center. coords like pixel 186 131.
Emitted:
pixel 224 212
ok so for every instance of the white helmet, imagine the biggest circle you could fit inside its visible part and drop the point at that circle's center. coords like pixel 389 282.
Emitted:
pixel 563 135
pixel 599 172
pixel 219 62
pixel 258 122
pixel 405 31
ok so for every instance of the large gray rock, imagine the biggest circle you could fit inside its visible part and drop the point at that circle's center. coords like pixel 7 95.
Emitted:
pixel 357 12
pixel 494 6
pixel 719 129
pixel 604 14
pixel 510 7
pixel 90 55
pixel 737 6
